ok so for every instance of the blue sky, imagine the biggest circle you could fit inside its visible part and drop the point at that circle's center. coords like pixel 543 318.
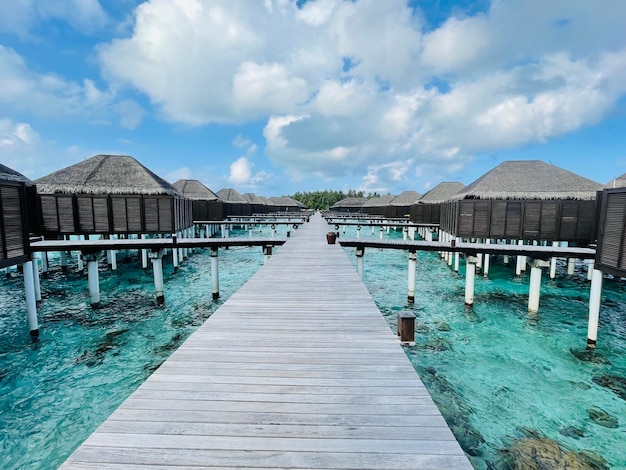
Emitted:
pixel 279 96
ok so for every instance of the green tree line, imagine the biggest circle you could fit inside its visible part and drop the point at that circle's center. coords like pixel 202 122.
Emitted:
pixel 322 200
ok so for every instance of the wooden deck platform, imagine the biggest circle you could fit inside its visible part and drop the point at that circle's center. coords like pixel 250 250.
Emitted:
pixel 298 369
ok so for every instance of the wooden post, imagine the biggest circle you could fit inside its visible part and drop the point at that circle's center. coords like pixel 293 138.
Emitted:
pixel 31 302
pixel 93 278
pixel 411 279
pixel 595 295
pixel 360 251
pixel 215 274
pixel 157 268
pixel 535 284
pixel 470 275
pixel 406 328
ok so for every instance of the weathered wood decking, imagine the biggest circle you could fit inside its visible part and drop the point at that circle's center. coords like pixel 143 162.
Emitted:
pixel 298 369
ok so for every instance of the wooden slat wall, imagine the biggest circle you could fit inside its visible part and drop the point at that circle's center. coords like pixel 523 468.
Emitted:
pixel 14 247
pixel 610 254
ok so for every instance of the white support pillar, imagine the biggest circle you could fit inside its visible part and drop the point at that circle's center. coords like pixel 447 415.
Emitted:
pixel 535 284
pixel 405 233
pixel 590 267
pixel 36 282
pixel 518 263
pixel 215 274
pixel 360 251
pixel 595 295
pixel 144 254
pixel 553 262
pixel 112 259
pixel 63 260
pixel 44 263
pixel 358 231
pixel 31 302
pixel 411 278
pixel 267 253
pixel 486 260
pixel 571 266
pixel 273 230
pixel 93 278
pixel 157 268
pixel 381 232
pixel 175 253
pixel 411 233
pixel 470 275
pixel 79 258
pixel 457 257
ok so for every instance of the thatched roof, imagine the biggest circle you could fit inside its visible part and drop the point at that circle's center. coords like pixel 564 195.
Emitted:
pixel 195 190
pixel 253 198
pixel 350 202
pixel 441 193
pixel 231 196
pixel 379 201
pixel 266 200
pixel 529 179
pixel 8 174
pixel 405 198
pixel 105 174
pixel 618 182
pixel 285 201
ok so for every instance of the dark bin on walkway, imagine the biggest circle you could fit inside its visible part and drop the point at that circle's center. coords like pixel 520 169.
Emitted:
pixel 331 237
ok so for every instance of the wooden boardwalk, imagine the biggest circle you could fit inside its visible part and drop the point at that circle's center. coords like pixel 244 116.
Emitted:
pixel 298 369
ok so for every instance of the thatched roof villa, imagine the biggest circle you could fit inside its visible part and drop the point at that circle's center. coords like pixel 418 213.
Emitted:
pixel 376 205
pixel 428 207
pixel 349 204
pixel 617 182
pixel 17 215
pixel 234 203
pixel 524 200
pixel 206 205
pixel 257 204
pixel 109 194
pixel 287 204
pixel 400 206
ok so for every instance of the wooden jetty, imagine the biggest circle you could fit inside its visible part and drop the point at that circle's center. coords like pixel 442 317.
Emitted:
pixel 298 369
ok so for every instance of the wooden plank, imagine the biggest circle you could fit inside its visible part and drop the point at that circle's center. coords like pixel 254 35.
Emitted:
pixel 298 369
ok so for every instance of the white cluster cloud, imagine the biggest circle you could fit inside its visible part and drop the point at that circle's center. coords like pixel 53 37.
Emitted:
pixel 362 87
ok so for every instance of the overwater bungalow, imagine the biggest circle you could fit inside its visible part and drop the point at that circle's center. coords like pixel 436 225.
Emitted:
pixel 428 207
pixel 376 205
pixel 400 206
pixel 234 203
pixel 17 216
pixel 206 205
pixel 617 182
pixel 287 204
pixel 349 204
pixel 257 205
pixel 524 200
pixel 110 194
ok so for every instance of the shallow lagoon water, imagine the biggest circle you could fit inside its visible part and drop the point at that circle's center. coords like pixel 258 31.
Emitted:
pixel 497 373
pixel 500 374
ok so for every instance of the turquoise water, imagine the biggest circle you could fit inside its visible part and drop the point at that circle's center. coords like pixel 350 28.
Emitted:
pixel 55 392
pixel 498 374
